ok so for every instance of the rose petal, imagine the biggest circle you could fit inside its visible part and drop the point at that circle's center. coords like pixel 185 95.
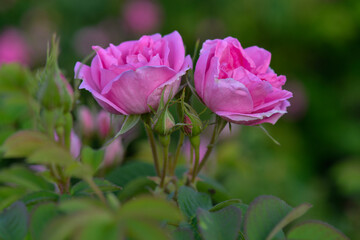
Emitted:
pixel 177 51
pixel 261 58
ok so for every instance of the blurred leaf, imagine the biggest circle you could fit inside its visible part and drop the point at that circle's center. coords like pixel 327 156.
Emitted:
pixel 129 123
pixel 25 178
pixel 223 224
pixel 140 230
pixel 100 229
pixel 13 222
pixel 9 195
pixel 263 215
pixel 92 157
pixel 183 234
pixel 124 174
pixel 41 217
pixel 63 227
pixel 41 196
pixel 136 187
pixel 189 201
pixel 79 170
pixel 150 208
pixel 294 214
pixel 315 230
pixel 24 143
pixel 347 177
pixel 83 187
pixel 224 204
pixel 54 154
pixel 72 205
pixel 15 77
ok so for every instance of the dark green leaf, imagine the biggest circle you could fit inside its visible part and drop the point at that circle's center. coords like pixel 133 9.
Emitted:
pixel 263 215
pixel 41 218
pixel 9 195
pixel 221 225
pixel 99 229
pixel 83 187
pixel 24 178
pixel 294 214
pixel 124 174
pixel 41 196
pixel 92 157
pixel 315 230
pixel 183 234
pixel 13 222
pixel 189 201
pixel 224 204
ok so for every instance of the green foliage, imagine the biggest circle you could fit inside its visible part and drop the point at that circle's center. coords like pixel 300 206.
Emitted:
pixel 83 188
pixel 315 230
pixel 223 224
pixel 190 201
pixel 23 177
pixel 13 222
pixel 41 217
pixel 92 157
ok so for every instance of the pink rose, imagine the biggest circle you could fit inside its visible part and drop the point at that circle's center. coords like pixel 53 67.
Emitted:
pixel 125 79
pixel 113 153
pixel 238 84
pixel 86 121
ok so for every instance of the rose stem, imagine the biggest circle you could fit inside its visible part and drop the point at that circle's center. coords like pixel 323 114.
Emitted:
pixel 177 153
pixel 165 140
pixel 197 156
pixel 208 151
pixel 153 148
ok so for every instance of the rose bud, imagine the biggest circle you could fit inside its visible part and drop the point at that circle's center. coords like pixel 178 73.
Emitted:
pixel 165 123
pixel 103 121
pixel 193 123
pixel 127 78
pixel 238 84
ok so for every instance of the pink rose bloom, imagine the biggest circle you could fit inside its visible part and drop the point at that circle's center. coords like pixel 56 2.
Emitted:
pixel 103 121
pixel 238 84
pixel 13 48
pixel 142 16
pixel 125 79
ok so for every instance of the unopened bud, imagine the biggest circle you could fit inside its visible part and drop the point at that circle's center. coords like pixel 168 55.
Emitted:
pixel 193 123
pixel 164 123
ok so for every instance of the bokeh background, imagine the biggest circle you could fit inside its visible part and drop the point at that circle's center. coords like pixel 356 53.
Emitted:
pixel 315 43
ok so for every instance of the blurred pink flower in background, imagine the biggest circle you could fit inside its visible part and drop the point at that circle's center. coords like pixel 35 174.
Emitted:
pixel 103 122
pixel 203 147
pixel 13 47
pixel 113 153
pixel 86 121
pixel 87 37
pixel 142 16
pixel 75 143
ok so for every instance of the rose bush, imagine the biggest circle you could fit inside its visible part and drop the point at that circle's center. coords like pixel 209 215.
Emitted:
pixel 127 78
pixel 238 84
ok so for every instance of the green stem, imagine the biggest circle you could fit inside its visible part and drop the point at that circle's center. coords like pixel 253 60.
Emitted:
pixel 153 148
pixel 177 153
pixel 96 189
pixel 197 157
pixel 209 150
pixel 165 147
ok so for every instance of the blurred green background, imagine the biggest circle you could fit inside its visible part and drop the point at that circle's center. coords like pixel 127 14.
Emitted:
pixel 315 43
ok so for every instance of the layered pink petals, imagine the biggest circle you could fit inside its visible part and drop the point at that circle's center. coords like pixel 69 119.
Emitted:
pixel 238 84
pixel 126 79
